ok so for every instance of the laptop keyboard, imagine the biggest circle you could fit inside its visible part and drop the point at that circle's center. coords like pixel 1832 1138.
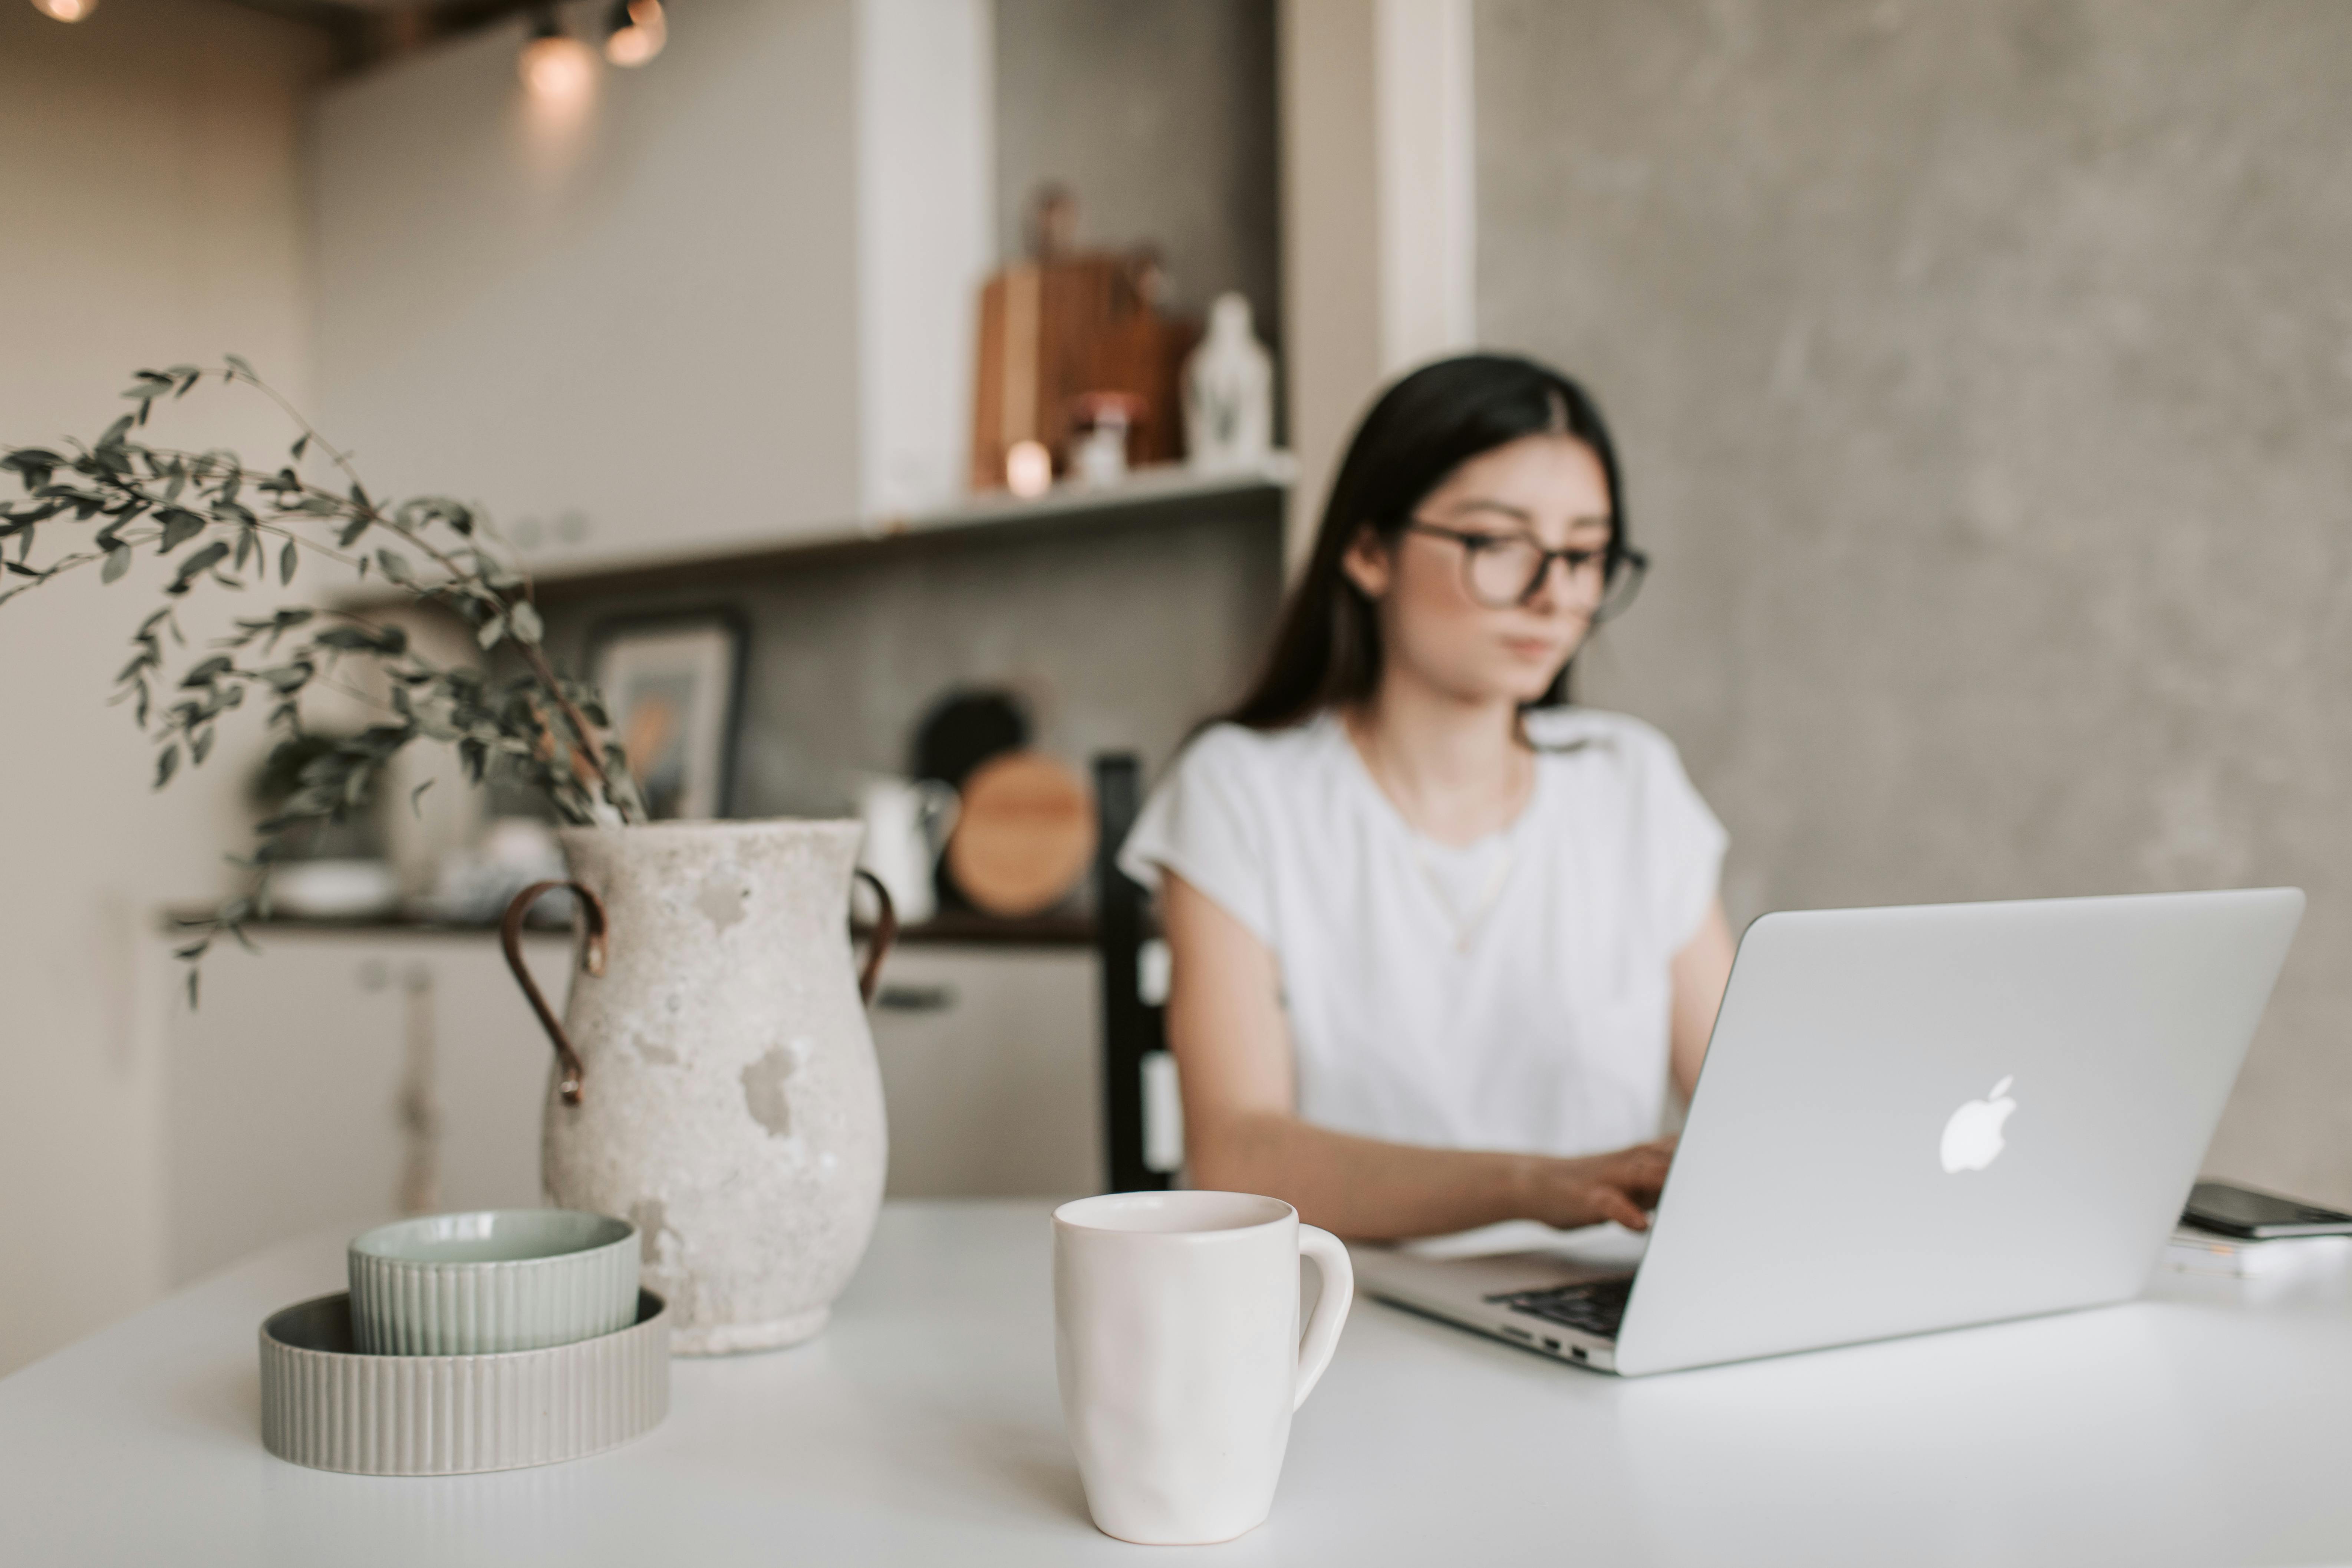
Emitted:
pixel 1592 1306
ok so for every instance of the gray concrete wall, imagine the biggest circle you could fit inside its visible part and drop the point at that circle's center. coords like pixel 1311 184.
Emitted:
pixel 1984 373
pixel 1120 632
pixel 1160 114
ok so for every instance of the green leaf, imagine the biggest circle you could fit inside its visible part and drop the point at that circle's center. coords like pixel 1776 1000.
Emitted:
pixel 180 525
pixel 239 365
pixel 118 562
pixel 195 565
pixel 301 443
pixel 286 564
pixel 394 566
pixel 200 746
pixel 525 621
pixel 166 764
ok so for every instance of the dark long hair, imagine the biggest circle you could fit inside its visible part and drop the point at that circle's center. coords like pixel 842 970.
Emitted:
pixel 1327 647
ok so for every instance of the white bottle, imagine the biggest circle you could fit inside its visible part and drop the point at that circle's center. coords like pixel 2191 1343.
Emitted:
pixel 1229 392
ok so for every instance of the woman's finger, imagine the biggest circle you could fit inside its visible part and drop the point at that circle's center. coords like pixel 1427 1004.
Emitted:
pixel 1616 1206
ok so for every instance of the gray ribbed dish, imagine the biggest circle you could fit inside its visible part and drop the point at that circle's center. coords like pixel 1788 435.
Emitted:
pixel 327 1405
pixel 493 1281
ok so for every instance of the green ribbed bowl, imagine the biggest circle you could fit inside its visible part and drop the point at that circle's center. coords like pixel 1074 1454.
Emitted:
pixel 492 1281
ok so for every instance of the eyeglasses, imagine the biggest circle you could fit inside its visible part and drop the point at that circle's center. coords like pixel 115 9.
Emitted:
pixel 1501 570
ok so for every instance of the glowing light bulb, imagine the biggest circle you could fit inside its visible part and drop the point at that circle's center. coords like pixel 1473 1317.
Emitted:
pixel 66 10
pixel 557 67
pixel 1028 468
pixel 639 30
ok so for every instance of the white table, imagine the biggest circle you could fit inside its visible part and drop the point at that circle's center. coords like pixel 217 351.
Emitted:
pixel 2211 1423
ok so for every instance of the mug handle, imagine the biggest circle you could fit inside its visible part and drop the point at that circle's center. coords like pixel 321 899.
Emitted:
pixel 939 806
pixel 592 959
pixel 1330 1256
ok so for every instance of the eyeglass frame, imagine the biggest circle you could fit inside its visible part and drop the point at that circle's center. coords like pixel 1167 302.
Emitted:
pixel 1612 556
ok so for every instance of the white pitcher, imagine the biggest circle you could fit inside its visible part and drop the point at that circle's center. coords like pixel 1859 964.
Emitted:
pixel 715 1080
pixel 906 825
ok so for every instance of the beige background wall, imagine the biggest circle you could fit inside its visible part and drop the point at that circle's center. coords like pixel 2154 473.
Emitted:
pixel 1985 376
pixel 147 167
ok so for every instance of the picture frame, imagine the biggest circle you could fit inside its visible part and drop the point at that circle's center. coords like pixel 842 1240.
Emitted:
pixel 673 688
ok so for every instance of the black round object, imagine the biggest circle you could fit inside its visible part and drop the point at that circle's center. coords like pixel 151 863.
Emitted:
pixel 964 729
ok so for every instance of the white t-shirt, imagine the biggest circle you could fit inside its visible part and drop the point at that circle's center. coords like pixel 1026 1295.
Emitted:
pixel 1509 994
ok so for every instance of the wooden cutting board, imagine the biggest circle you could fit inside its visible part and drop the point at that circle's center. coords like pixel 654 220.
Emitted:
pixel 1024 836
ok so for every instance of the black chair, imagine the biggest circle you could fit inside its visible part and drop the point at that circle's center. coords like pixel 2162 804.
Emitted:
pixel 1133 1028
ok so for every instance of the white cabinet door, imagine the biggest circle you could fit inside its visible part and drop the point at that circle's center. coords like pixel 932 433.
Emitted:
pixel 991 1064
pixel 491 1062
pixel 282 1099
pixel 344 1077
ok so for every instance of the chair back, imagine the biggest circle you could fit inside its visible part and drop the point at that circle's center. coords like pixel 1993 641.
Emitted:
pixel 1139 1107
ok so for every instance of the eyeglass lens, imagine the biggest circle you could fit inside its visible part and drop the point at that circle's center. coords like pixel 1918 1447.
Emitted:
pixel 1504 573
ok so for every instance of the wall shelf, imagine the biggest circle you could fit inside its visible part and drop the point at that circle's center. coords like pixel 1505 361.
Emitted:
pixel 1143 495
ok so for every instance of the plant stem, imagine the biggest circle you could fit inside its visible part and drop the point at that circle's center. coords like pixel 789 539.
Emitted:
pixel 530 652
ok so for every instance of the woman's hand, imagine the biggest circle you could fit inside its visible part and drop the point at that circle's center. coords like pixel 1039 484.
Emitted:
pixel 1623 1186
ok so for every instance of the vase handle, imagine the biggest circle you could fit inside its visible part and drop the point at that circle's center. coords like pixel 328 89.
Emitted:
pixel 885 931
pixel 592 959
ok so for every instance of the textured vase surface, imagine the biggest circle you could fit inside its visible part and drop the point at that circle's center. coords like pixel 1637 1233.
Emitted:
pixel 730 1105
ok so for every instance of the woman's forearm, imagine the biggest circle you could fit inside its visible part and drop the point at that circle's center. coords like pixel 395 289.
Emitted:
pixel 1364 1188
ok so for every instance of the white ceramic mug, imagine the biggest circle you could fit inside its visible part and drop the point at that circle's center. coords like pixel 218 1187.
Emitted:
pixel 906 825
pixel 1176 1336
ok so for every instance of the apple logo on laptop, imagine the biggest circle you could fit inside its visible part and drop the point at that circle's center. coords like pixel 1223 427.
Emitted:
pixel 1972 1136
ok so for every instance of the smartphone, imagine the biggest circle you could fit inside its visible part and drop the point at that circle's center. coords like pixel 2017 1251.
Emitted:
pixel 2242 1211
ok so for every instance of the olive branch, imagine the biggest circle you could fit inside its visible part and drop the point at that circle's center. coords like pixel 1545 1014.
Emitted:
pixel 230 525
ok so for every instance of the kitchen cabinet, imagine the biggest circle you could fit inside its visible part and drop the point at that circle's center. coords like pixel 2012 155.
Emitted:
pixel 343 1078
pixel 992 1068
pixel 346 1076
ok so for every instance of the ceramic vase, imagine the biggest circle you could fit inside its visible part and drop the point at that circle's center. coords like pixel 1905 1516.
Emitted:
pixel 715 1080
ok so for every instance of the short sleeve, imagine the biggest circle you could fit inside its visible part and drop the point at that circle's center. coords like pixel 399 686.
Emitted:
pixel 1203 823
pixel 1686 843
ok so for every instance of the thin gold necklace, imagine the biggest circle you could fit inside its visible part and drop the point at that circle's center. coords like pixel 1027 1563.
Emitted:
pixel 1465 928
pixel 1465 931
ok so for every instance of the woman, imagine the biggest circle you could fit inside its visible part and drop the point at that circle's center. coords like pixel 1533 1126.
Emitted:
pixel 1440 939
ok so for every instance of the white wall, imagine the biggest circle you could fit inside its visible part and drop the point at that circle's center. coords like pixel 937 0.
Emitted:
pixel 148 170
pixel 623 325
pixel 626 328
pixel 926 167
pixel 1379 225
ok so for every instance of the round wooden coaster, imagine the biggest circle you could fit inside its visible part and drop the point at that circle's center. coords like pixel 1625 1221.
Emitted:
pixel 1025 834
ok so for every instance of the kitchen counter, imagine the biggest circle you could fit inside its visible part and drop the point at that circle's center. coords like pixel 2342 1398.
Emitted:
pixel 948 928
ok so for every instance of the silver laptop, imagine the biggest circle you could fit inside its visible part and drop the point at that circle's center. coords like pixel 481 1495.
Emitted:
pixel 1909 1119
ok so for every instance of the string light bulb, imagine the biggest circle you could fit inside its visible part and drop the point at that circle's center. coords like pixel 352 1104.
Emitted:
pixel 555 66
pixel 1028 469
pixel 65 10
pixel 638 30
